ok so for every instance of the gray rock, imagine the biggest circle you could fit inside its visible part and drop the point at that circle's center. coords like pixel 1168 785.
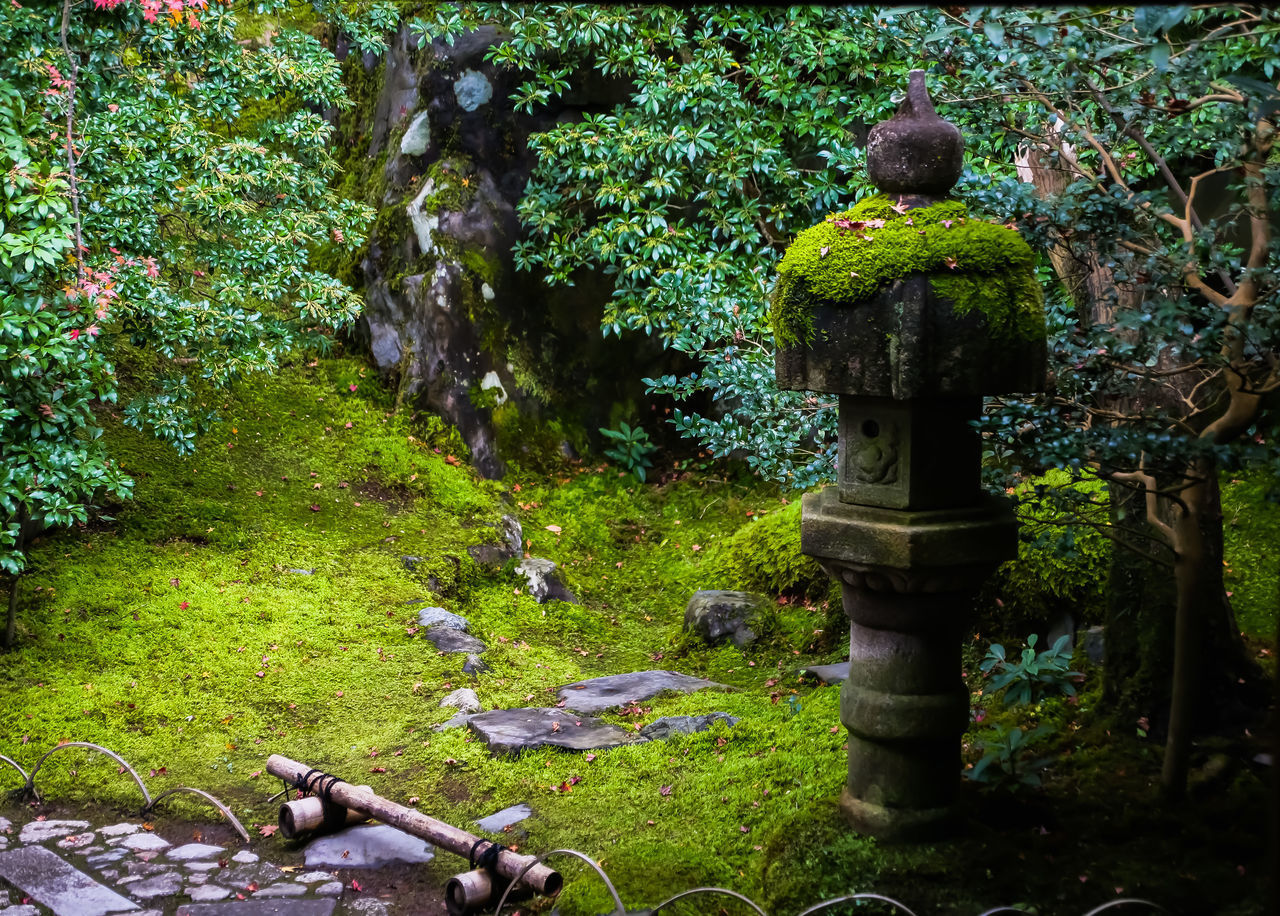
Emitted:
pixel 208 892
pixel 450 640
pixel 47 879
pixel 473 665
pixel 161 885
pixel 244 857
pixel 200 866
pixel 142 842
pixel 22 909
pixel 495 822
pixel 831 674
pixel 509 731
pixel 457 721
pixel 43 831
pixel 544 584
pixel 332 889
pixel 76 841
pixel 463 699
pixel 301 572
pixel 5 825
pixel 411 563
pixel 281 890
pixel 194 851
pixel 314 877
pixel 197 879
pixel 602 693
pixel 367 906
pixel 119 829
pixel 661 729
pixel 722 616
pixel 509 546
pixel 439 617
pixel 1094 643
pixel 472 90
pixel 256 907
pixel 367 846
pixel 417 136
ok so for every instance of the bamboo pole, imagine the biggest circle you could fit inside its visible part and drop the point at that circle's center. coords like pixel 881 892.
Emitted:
pixel 540 878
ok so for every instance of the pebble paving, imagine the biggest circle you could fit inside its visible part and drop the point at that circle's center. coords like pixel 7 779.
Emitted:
pixel 72 868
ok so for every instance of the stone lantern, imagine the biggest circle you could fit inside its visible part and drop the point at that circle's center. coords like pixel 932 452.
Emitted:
pixel 911 312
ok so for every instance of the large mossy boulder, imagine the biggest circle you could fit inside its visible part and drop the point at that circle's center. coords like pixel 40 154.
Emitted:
pixel 717 617
pixel 764 556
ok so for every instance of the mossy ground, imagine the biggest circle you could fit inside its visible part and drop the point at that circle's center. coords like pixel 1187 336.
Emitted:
pixel 177 635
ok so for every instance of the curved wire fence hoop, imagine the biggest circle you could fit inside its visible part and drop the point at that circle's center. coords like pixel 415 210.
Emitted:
pixel 818 907
pixel 1124 901
pixel 1003 909
pixel 619 909
pixel 226 812
pixel 26 780
pixel 31 780
pixel 711 890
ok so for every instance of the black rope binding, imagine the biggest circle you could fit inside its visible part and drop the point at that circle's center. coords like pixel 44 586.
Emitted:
pixel 322 784
pixel 488 860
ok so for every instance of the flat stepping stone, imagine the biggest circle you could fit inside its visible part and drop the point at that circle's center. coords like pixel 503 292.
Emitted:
pixel 245 857
pixel 332 889
pixel 206 893
pixel 368 846
pixel 831 674
pixel 194 851
pixel 661 729
pixel 282 890
pixel 259 907
pixel 495 822
pixel 162 885
pixel 314 877
pixel 119 829
pixel 603 693
pixel 439 617
pixel 43 831
pixel 143 842
pixel 446 639
pixel 46 878
pixel 509 731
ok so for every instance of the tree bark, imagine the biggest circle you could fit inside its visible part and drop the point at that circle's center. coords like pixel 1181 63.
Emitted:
pixel 12 620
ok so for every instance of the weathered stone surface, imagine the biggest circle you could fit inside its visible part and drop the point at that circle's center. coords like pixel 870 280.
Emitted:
pixel 142 842
pixel 603 693
pixel 281 890
pixel 439 617
pixel 5 825
pixel 194 851
pixel 661 729
pixel 43 831
pixel 457 721
pixel 245 857
pixel 472 90
pixel 411 563
pixel 46 878
pixel 474 666
pixel 76 841
pixel 367 846
pixel 417 136
pixel 120 829
pixel 367 906
pixel 446 639
pixel 200 866
pixel 22 909
pixel 915 151
pixel 495 822
pixel 332 889
pixel 301 572
pixel 314 877
pixel 1094 643
pixel 257 907
pixel 463 699
pixel 161 885
pixel 511 539
pixel 208 892
pixel 544 584
pixel 831 674
pixel 509 731
pixel 97 860
pixel 724 616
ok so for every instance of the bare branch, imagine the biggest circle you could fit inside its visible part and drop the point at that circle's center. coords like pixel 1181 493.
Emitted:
pixel 1147 484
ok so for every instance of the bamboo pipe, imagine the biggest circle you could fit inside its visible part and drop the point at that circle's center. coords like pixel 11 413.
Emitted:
pixel 540 878
pixel 304 815
pixel 476 890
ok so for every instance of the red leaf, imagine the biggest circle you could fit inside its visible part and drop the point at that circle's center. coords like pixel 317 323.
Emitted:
pixel 355 885
pixel 664 791
pixel 268 829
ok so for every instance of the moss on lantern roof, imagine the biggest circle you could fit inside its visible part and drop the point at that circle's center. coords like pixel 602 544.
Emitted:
pixel 849 256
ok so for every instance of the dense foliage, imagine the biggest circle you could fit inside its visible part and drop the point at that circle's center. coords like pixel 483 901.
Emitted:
pixel 166 192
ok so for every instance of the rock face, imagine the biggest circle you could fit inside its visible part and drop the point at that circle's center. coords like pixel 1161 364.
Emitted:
pixel 439 617
pixel 443 156
pixel 446 639
pixel 604 693
pixel 368 846
pixel 544 584
pixel 664 728
pixel 511 538
pixel 722 616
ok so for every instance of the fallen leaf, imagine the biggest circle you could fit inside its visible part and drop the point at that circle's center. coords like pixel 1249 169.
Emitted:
pixel 554 529
pixel 590 757
pixel 252 886
pixel 664 791
pixel 268 829
pixel 377 769
pixel 355 885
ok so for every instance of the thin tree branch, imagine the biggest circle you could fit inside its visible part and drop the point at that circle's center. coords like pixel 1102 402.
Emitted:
pixel 72 184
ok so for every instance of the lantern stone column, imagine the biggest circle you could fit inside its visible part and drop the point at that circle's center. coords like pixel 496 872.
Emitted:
pixel 910 311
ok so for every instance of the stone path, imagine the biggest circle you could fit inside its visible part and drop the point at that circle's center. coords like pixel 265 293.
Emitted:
pixel 72 868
